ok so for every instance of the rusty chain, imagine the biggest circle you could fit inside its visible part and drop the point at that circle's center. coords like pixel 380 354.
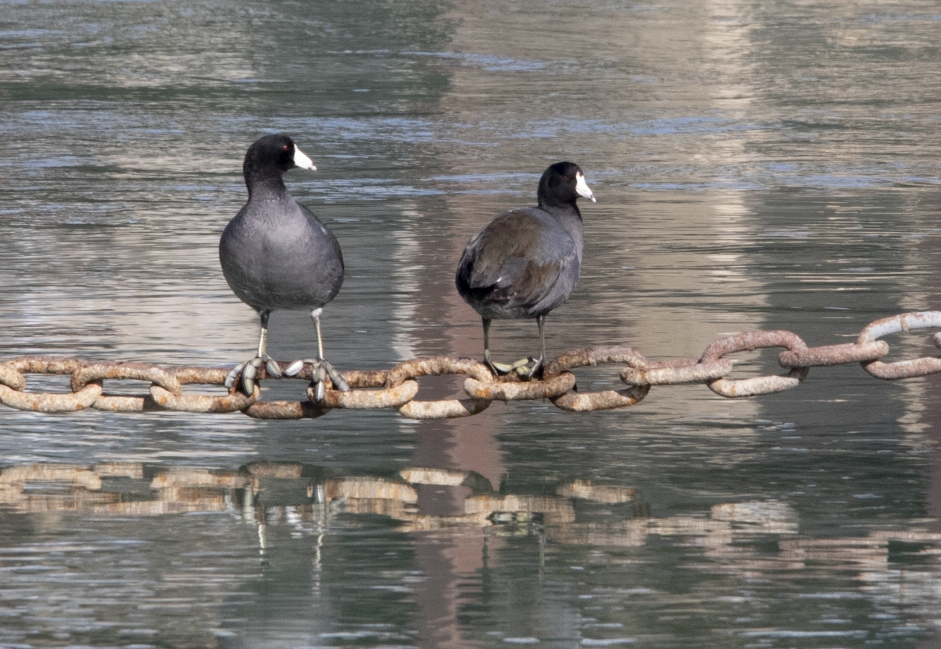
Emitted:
pixel 397 388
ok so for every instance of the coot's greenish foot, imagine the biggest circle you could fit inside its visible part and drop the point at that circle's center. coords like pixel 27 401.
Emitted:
pixel 276 254
pixel 526 262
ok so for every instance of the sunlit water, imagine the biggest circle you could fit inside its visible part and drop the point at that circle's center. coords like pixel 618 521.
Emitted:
pixel 757 166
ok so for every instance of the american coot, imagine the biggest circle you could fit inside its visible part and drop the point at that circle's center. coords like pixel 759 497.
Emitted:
pixel 276 254
pixel 526 262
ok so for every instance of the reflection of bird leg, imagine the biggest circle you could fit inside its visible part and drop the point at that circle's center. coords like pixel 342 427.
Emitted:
pixel 248 370
pixel 321 368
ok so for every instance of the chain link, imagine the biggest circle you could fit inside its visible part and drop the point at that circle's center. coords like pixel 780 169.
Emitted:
pixel 761 384
pixel 896 324
pixel 398 387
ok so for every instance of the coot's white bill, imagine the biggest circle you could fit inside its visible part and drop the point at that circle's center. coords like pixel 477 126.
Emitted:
pixel 304 162
pixel 581 187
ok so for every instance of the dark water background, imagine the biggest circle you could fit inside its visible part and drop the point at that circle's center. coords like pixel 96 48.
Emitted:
pixel 757 165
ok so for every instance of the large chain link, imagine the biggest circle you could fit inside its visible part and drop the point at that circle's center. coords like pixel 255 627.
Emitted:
pixel 398 387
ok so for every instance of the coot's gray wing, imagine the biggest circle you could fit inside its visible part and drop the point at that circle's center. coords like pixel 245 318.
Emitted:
pixel 523 263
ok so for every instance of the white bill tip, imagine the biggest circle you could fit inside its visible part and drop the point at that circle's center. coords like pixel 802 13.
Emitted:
pixel 302 161
pixel 581 187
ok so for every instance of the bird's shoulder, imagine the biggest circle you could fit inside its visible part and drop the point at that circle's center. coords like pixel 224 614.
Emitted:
pixel 527 231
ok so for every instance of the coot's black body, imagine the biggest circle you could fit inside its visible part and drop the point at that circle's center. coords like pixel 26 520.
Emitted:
pixel 276 254
pixel 526 262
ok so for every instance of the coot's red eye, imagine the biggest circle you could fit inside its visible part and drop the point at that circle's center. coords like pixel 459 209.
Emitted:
pixel 287 147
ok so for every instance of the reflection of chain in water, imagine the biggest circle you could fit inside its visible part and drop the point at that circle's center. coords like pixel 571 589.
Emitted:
pixel 302 497
pixel 397 388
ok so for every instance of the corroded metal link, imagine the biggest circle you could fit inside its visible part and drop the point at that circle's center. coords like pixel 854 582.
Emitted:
pixel 361 399
pixel 187 375
pixel 607 399
pixel 750 342
pixel 286 410
pixel 200 403
pixel 590 356
pixel 122 403
pixel 446 409
pixel 520 390
pixel 46 364
pixel 678 372
pixel 48 402
pixel 139 371
pixel 896 324
pixel 829 355
pixel 168 383
pixel 11 377
pixel 436 366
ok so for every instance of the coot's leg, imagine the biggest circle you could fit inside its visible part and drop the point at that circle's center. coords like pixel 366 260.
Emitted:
pixel 244 373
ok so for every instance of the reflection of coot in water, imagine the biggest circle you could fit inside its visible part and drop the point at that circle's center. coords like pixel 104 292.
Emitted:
pixel 526 262
pixel 276 254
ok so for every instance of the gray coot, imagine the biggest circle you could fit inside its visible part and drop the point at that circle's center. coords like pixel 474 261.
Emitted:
pixel 526 262
pixel 276 254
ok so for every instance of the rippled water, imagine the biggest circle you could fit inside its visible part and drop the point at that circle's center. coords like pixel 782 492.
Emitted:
pixel 757 166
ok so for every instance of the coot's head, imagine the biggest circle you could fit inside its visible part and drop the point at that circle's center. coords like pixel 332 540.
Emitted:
pixel 561 184
pixel 272 155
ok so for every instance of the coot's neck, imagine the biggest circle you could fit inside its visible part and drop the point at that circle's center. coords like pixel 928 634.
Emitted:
pixel 265 184
pixel 562 209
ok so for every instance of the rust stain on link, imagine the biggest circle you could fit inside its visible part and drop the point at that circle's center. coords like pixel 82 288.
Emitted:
pixel 285 410
pixel 445 409
pixel 607 400
pixel 187 375
pixel 520 390
pixel 435 366
pixel 590 356
pixel 903 369
pixel 11 377
pixel 897 324
pixel 359 399
pixel 200 403
pixel 48 402
pixel 830 355
pixel 138 371
pixel 365 378
pixel 758 385
pixel 750 342
pixel 677 372
pixel 121 403
pixel 46 364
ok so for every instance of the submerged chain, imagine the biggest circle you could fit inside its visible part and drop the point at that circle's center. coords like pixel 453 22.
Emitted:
pixel 397 388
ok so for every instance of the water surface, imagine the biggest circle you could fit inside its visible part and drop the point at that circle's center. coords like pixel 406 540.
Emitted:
pixel 757 166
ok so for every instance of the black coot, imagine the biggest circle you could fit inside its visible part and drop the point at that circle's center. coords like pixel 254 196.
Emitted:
pixel 276 254
pixel 526 262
